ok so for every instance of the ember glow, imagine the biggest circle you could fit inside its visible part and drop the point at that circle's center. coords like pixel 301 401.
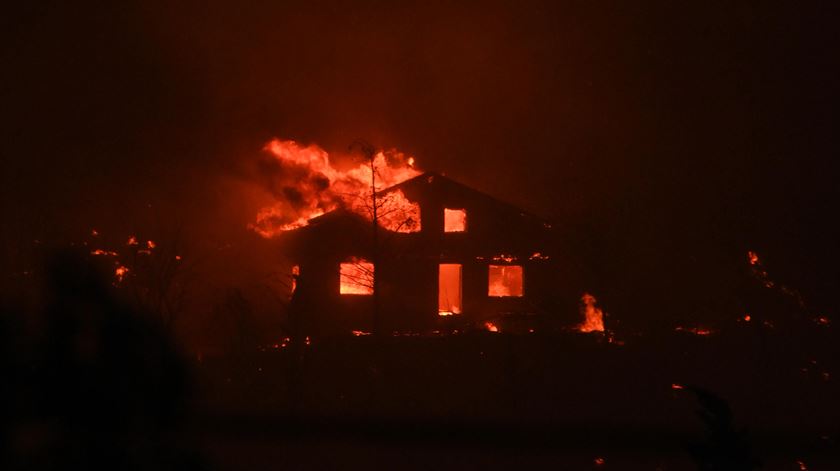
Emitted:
pixel 593 317
pixel 701 331
pixel 538 256
pixel 305 184
pixel 120 272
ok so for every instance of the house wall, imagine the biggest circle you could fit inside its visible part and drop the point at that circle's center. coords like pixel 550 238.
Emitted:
pixel 408 266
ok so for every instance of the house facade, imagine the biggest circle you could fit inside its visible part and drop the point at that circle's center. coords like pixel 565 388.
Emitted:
pixel 471 261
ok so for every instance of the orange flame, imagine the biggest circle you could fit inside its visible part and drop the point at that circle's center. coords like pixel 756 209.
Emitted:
pixel 593 316
pixel 356 277
pixel 322 187
pixel 504 281
pixel 491 327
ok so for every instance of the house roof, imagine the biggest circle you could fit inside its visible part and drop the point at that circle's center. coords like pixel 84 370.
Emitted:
pixel 425 182
pixel 441 180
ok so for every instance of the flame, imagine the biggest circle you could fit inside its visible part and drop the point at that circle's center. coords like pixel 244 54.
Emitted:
pixel 294 278
pixel 593 316
pixel 356 277
pixel 306 185
pixel 504 280
pixel 395 212
pixel 491 327
pixel 676 386
pixel 132 240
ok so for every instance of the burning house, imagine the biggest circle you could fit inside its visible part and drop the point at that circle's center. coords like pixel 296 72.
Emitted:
pixel 427 254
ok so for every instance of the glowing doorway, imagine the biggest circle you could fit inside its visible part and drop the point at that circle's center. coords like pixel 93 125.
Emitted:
pixel 449 289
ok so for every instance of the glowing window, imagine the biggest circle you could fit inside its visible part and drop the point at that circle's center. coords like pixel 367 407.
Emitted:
pixel 454 220
pixel 294 277
pixel 356 277
pixel 505 280
pixel 449 289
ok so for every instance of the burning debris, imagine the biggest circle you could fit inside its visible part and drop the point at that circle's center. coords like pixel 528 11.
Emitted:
pixel 538 256
pixel 120 272
pixel 701 331
pixel 763 277
pixel 306 184
pixel 761 274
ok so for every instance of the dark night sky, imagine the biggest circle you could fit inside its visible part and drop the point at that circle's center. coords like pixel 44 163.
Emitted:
pixel 667 138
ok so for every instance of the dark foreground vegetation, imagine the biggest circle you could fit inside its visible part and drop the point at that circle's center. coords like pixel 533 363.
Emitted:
pixel 89 383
